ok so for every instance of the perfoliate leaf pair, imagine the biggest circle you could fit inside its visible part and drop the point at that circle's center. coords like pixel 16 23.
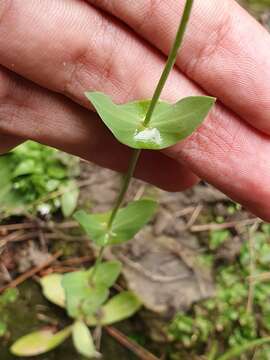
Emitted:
pixel 82 299
pixel 169 124
pixel 82 293
pixel 85 293
pixel 120 307
pixel 75 292
pixel 128 221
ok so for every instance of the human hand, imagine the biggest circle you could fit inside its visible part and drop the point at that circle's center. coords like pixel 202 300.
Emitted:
pixel 69 46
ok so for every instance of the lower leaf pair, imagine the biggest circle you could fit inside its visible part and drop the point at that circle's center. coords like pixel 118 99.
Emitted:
pixel 128 221
pixel 83 294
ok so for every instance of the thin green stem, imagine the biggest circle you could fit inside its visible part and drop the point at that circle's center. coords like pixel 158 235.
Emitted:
pixel 97 263
pixel 130 172
pixel 132 165
pixel 171 60
pixel 136 153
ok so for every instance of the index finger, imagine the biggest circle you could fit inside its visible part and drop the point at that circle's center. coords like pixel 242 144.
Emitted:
pixel 225 50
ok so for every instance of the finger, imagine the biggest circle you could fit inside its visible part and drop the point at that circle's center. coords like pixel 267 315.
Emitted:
pixel 28 111
pixel 75 48
pixel 231 156
pixel 225 51
pixel 86 57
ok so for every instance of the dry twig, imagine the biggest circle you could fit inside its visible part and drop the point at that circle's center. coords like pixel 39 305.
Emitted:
pixel 28 274
pixel 194 216
pixel 138 350
pixel 232 224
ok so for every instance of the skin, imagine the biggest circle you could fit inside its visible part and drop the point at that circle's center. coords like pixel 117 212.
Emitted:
pixel 51 52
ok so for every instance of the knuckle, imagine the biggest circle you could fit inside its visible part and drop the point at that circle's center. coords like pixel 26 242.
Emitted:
pixel 73 74
pixel 208 50
pixel 97 67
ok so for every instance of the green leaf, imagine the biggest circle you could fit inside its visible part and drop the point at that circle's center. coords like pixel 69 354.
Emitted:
pixel 9 296
pixel 95 225
pixel 120 307
pixel 75 286
pixel 39 342
pixel 241 349
pixel 69 199
pixel 170 123
pixel 82 299
pixel 57 171
pixel 3 328
pixel 128 221
pixel 53 290
pixel 217 238
pixel 131 219
pixel 107 273
pixel 5 172
pixel 26 167
pixel 8 199
pixel 83 340
pixel 97 296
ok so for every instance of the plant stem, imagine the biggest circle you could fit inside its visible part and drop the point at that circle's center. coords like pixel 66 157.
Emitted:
pixel 171 60
pixel 136 153
pixel 97 263
pixel 130 172
pixel 127 178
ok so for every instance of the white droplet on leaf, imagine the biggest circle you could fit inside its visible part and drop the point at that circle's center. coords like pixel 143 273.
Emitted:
pixel 148 135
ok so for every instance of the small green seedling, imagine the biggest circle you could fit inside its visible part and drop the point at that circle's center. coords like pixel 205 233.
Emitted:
pixel 147 124
pixel 85 296
pixel 38 179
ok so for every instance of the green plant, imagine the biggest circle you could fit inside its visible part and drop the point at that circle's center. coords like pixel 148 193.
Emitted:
pixel 85 296
pixel 224 320
pixel 217 238
pixel 147 124
pixel 8 297
pixel 38 178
